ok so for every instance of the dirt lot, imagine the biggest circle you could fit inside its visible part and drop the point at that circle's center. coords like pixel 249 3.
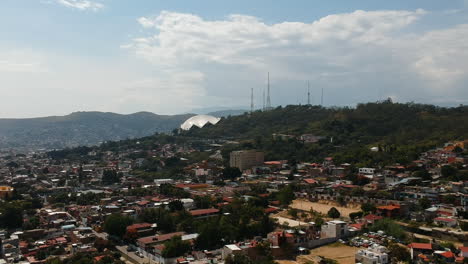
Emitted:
pixel 341 253
pixel 321 208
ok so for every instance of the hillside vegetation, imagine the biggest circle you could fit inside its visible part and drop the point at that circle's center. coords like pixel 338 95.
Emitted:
pixel 400 131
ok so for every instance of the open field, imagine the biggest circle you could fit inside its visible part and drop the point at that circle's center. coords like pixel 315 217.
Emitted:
pixel 321 208
pixel 341 253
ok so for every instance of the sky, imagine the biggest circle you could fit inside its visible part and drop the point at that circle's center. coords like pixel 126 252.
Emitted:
pixel 169 57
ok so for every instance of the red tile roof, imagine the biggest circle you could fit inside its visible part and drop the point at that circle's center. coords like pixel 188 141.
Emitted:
pixel 310 181
pixel 389 207
pixel 443 219
pixel 427 246
pixel 270 210
pixel 139 226
pixel 372 217
pixel 447 254
pixel 204 211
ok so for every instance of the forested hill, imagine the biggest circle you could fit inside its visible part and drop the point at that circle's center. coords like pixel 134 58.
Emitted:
pixel 83 128
pixel 401 131
pixel 371 122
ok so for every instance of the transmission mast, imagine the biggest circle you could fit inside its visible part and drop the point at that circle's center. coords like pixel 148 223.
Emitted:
pixel 308 93
pixel 268 102
pixel 263 108
pixel 321 100
pixel 251 100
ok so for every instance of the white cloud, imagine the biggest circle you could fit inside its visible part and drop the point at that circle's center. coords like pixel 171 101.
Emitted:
pixel 347 54
pixel 81 4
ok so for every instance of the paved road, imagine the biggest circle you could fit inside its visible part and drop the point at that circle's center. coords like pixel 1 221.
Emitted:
pixel 129 256
pixel 132 257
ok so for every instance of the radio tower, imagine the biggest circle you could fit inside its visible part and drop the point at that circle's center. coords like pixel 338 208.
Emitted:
pixel 268 100
pixel 308 93
pixel 263 108
pixel 251 101
pixel 321 100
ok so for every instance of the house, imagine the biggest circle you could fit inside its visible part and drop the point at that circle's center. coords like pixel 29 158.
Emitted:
pixel 371 218
pixel 446 222
pixel 334 229
pixel 420 248
pixel 151 241
pixel 229 250
pixel 141 229
pixel 389 210
pixel 373 255
pixel 204 213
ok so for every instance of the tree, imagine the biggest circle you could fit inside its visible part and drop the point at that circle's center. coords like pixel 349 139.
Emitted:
pixel 424 203
pixel 238 259
pixel 116 225
pixel 175 247
pixel 368 208
pixel 176 205
pixel 11 215
pixel 398 253
pixel 448 171
pixel 423 174
pixel 319 221
pixel 231 173
pixel 110 177
pixel 286 195
pixel 355 215
pixel 390 227
pixel 333 213
pixel 203 202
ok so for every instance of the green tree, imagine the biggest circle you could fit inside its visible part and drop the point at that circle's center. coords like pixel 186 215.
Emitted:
pixel 116 225
pixel 286 195
pixel 11 215
pixel 231 173
pixel 110 177
pixel 390 227
pixel 368 208
pixel 424 203
pixel 333 213
pixel 175 247
pixel 448 171
pixel 423 174
pixel 398 253
pixel 176 205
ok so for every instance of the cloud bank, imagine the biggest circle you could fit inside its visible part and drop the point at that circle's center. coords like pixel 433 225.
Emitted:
pixel 355 57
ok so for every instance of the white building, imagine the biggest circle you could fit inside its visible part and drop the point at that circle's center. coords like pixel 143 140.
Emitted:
pixel 373 255
pixel 334 229
pixel 367 171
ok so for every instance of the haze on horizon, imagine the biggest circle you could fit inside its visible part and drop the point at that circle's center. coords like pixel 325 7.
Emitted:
pixel 170 57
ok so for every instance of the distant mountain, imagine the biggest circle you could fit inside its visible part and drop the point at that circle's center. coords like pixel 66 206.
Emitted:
pixel 83 128
pixel 227 113
pixel 219 111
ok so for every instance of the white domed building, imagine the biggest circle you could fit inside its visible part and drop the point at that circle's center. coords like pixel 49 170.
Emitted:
pixel 199 121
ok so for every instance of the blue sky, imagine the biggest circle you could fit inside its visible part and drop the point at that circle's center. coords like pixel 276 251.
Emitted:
pixel 60 56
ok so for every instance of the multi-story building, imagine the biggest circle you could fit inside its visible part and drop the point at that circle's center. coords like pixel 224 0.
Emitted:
pixel 334 229
pixel 246 159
